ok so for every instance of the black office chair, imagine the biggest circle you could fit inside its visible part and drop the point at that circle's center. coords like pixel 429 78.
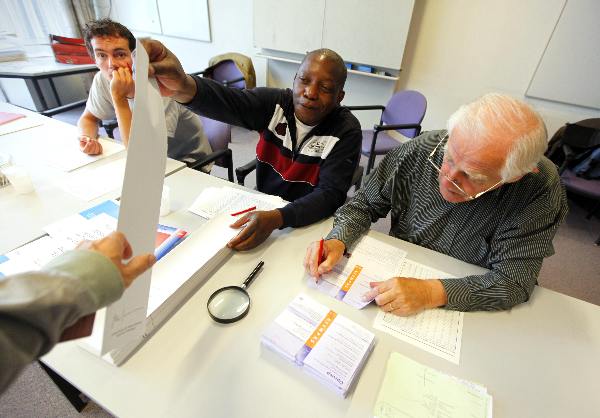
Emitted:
pixel 575 149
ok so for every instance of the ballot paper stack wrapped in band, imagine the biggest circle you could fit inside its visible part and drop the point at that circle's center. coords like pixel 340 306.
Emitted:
pixel 326 345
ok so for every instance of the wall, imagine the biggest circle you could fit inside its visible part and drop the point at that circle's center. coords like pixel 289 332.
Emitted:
pixel 456 51
pixel 231 31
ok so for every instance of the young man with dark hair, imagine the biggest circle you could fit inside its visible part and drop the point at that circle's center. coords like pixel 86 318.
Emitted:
pixel 113 89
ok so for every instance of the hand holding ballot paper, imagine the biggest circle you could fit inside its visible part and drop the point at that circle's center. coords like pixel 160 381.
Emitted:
pixel 327 263
pixel 349 276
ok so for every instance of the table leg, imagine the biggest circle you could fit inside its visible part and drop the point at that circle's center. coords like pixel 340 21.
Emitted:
pixel 73 394
pixel 51 81
pixel 38 90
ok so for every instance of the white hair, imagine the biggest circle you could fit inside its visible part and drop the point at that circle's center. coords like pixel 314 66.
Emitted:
pixel 497 114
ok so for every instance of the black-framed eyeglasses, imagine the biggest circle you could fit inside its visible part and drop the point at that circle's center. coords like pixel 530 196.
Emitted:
pixel 439 169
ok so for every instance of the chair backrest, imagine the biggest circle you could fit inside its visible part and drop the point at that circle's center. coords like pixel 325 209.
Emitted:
pixel 243 65
pixel 218 135
pixel 407 106
pixel 225 71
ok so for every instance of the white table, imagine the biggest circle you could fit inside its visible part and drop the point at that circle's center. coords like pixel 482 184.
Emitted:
pixel 37 69
pixel 542 359
pixel 23 216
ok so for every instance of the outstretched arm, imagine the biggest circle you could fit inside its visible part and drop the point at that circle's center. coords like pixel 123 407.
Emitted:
pixel 88 133
pixel 36 307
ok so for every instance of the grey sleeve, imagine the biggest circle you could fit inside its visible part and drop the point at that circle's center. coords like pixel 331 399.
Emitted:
pixel 36 307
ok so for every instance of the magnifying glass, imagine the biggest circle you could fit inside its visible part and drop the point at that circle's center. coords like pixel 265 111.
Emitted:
pixel 231 303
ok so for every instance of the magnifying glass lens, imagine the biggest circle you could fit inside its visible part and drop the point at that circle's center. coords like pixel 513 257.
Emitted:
pixel 229 303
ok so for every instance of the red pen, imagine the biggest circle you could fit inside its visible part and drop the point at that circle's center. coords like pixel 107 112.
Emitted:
pixel 243 211
pixel 320 252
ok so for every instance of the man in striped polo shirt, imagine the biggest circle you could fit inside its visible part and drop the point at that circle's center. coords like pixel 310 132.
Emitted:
pixel 482 192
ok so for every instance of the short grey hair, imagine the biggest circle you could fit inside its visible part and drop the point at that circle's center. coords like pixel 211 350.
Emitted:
pixel 522 126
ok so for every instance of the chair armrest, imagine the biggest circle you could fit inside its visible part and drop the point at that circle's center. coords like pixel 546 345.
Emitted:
pixel 64 108
pixel 242 171
pixel 228 82
pixel 196 161
pixel 367 107
pixel 378 128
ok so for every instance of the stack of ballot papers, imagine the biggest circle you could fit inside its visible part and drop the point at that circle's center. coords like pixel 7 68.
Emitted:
pixel 214 201
pixel 326 345
pixel 410 389
pixel 175 279
pixel 369 260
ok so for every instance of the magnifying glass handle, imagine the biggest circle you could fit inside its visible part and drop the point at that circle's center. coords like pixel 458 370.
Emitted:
pixel 251 276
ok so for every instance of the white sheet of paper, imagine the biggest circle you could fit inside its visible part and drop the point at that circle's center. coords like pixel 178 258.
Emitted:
pixel 376 260
pixel 72 230
pixel 217 200
pixel 91 183
pixel 140 203
pixel 68 156
pixel 19 125
pixel 437 331
pixel 31 256
pixel 410 389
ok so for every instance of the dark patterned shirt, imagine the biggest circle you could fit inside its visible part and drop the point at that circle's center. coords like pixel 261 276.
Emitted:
pixel 508 230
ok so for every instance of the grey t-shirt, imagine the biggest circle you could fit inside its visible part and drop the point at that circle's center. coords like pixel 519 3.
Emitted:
pixel 184 129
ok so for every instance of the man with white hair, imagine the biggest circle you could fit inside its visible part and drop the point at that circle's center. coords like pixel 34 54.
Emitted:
pixel 482 192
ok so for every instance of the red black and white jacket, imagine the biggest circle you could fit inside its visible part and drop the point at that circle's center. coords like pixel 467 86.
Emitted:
pixel 316 177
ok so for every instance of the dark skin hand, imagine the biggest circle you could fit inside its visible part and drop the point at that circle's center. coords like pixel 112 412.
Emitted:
pixel 168 71
pixel 258 225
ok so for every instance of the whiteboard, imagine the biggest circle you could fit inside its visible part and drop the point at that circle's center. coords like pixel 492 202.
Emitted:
pixel 368 32
pixel 141 15
pixel 179 18
pixel 185 19
pixel 569 70
pixel 288 25
pixel 364 32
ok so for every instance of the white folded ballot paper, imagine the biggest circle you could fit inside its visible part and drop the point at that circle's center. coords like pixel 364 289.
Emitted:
pixel 214 201
pixel 369 260
pixel 326 345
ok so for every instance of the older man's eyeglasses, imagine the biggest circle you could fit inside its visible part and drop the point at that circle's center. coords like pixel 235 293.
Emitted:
pixel 439 169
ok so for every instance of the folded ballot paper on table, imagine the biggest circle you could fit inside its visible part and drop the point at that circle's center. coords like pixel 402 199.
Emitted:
pixel 367 261
pixel 99 221
pixel 410 389
pixel 66 234
pixel 221 200
pixel 326 345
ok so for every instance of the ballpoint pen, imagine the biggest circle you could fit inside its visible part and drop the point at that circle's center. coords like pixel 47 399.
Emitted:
pixel 320 259
pixel 250 209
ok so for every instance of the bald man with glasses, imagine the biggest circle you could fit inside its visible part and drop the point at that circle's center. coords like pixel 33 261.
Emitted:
pixel 480 191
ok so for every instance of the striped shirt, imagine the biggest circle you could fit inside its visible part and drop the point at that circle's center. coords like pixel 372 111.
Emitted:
pixel 508 230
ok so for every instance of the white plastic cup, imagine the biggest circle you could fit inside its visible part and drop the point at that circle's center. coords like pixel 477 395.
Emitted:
pixel 165 201
pixel 19 178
